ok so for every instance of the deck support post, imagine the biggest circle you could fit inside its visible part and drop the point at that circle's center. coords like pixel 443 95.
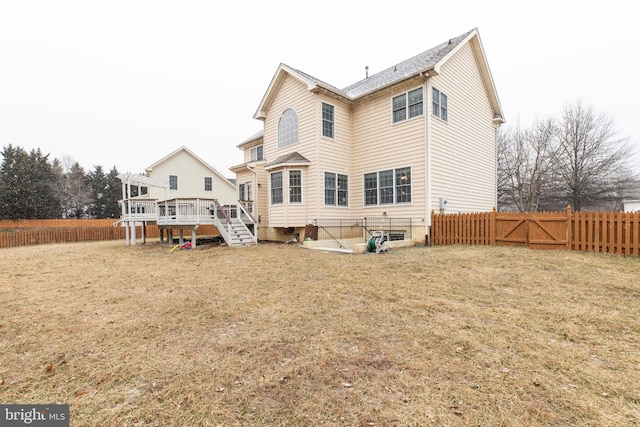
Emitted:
pixel 133 233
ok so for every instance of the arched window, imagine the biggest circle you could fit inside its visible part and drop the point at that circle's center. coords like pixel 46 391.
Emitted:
pixel 288 128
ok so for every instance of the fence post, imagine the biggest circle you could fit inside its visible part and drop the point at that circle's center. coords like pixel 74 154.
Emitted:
pixel 433 227
pixel 492 227
pixel 569 236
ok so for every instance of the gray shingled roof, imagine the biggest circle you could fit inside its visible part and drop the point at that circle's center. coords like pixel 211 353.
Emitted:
pixel 294 157
pixel 422 62
pixel 403 70
pixel 412 66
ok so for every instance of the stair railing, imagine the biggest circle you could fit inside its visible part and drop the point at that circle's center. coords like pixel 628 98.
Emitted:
pixel 223 227
pixel 242 207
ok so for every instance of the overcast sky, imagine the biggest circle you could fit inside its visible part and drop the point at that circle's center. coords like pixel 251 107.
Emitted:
pixel 124 83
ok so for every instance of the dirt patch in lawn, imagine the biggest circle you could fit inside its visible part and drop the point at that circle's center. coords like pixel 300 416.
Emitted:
pixel 278 335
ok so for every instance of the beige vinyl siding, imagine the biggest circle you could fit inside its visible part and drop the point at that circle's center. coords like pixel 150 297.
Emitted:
pixel 295 95
pixel 247 150
pixel 463 148
pixel 379 144
pixel 191 172
pixel 334 155
pixel 262 196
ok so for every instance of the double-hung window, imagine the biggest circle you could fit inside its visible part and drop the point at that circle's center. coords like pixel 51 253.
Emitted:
pixel 336 189
pixel 328 123
pixel 371 189
pixel 208 183
pixel 403 185
pixel 295 186
pixel 256 153
pixel 408 105
pixel 387 187
pixel 276 188
pixel 440 108
pixel 173 182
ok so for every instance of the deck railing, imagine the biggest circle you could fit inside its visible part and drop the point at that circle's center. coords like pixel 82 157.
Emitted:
pixel 186 211
pixel 140 210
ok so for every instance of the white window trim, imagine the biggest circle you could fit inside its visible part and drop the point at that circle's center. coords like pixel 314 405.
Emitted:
pixel 173 189
pixel 406 106
pixel 289 187
pixel 395 196
pixel 295 136
pixel 255 150
pixel 439 113
pixel 333 122
pixel 271 203
pixel 336 204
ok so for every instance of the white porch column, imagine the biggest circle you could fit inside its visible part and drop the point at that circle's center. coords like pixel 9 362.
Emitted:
pixel 133 233
pixel 193 238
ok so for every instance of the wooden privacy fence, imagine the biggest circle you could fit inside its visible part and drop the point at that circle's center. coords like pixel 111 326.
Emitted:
pixel 36 232
pixel 605 232
pixel 13 224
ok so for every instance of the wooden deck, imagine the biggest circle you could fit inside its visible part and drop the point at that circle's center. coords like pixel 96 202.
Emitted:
pixel 187 214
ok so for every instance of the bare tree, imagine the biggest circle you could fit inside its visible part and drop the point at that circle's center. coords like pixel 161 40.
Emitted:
pixel 592 159
pixel 72 187
pixel 526 159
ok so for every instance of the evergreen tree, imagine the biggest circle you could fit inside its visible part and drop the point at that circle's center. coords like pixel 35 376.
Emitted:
pixel 98 184
pixel 105 192
pixel 26 185
pixel 113 193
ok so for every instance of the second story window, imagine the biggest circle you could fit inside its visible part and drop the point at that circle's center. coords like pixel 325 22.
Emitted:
pixel 256 153
pixel 208 183
pixel 440 108
pixel 173 182
pixel 408 105
pixel 327 120
pixel 288 128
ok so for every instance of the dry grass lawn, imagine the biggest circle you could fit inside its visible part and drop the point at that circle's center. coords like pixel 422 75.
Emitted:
pixel 277 335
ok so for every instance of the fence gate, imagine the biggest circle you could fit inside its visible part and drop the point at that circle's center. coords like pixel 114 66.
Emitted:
pixel 606 232
pixel 542 230
pixel 512 229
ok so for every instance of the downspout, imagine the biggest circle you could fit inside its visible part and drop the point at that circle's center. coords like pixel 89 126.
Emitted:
pixel 427 159
pixel 256 205
pixel 319 176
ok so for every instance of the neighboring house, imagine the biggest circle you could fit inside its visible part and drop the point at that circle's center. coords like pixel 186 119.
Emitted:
pixel 417 137
pixel 631 205
pixel 190 177
pixel 181 191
